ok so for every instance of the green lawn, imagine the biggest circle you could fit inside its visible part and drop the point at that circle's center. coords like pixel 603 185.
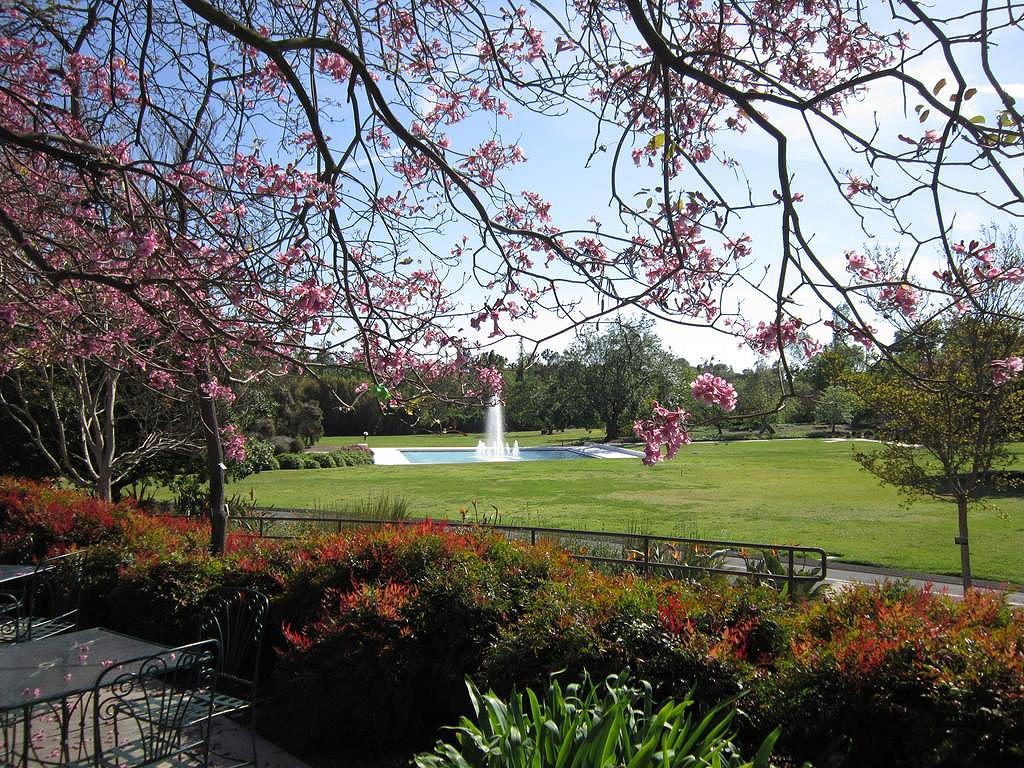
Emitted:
pixel 807 492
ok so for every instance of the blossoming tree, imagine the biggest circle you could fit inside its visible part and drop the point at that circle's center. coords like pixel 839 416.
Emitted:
pixel 236 182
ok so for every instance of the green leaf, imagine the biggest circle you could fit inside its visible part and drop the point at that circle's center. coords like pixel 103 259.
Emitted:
pixel 978 119
pixel 761 759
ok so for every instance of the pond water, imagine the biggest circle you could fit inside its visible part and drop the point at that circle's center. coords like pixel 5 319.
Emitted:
pixel 471 456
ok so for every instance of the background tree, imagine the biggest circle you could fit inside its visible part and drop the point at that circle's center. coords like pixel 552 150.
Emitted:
pixel 946 429
pixel 836 405
pixel 93 424
pixel 620 371
pixel 761 392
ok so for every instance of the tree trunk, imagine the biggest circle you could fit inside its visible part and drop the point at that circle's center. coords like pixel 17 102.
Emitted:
pixel 102 487
pixel 965 550
pixel 215 468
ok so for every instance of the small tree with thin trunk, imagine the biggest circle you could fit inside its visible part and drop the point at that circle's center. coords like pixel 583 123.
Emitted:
pixel 836 405
pixel 945 428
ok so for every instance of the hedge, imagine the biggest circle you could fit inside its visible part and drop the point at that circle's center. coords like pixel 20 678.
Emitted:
pixel 373 633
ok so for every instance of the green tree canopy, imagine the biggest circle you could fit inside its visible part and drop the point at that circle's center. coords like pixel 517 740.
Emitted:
pixel 945 422
pixel 621 370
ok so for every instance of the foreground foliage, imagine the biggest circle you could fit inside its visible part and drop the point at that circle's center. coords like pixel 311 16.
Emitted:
pixel 380 626
pixel 586 725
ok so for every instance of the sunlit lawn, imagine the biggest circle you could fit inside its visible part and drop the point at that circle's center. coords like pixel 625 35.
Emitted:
pixel 784 491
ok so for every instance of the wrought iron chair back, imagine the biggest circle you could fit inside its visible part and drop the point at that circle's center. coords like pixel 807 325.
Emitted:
pixel 143 709
pixel 236 621
pixel 52 596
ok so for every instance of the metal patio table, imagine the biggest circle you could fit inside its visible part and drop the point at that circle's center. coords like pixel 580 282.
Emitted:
pixel 50 680
pixel 15 572
pixel 13 597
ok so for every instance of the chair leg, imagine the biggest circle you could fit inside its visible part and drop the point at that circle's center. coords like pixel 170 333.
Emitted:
pixel 252 735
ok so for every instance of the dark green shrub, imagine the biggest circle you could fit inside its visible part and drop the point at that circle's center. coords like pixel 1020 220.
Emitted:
pixel 191 495
pixel 353 456
pixel 259 458
pixel 291 461
pixel 324 460
pixel 309 461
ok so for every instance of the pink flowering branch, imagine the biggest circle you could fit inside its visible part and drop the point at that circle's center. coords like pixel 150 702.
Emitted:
pixel 714 390
pixel 665 427
pixel 1006 369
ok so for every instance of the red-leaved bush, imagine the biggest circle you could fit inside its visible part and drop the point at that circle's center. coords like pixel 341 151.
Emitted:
pixel 39 520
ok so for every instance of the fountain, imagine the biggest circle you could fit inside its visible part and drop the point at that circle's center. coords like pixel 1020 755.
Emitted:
pixel 495 447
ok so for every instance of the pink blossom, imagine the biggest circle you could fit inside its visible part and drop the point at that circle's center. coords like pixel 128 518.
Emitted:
pixel 714 390
pixel 902 297
pixel 491 380
pixel 234 443
pixel 338 67
pixel 861 266
pixel 159 379
pixel 147 244
pixel 217 391
pixel 666 426
pixel 1006 369
pixel 855 185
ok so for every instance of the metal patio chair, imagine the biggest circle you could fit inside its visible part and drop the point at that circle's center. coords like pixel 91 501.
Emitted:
pixel 236 620
pixel 52 596
pixel 144 711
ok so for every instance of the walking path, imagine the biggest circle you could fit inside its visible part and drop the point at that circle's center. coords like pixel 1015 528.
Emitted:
pixel 845 573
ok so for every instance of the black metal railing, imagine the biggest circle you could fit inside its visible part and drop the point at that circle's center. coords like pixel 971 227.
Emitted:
pixel 647 554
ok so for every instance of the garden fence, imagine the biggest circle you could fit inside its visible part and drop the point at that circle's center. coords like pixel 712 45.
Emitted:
pixel 673 556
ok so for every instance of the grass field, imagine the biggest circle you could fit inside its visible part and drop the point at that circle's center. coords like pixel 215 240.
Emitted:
pixel 806 492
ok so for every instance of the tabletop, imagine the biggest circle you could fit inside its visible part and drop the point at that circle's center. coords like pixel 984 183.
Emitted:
pixel 62 666
pixel 15 572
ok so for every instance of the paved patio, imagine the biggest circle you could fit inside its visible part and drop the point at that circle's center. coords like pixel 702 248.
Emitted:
pixel 231 740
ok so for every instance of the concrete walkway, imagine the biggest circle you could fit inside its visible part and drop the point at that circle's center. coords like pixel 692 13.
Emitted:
pixel 840 573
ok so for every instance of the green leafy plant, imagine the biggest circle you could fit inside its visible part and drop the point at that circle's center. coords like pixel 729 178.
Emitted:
pixel 352 456
pixel 588 725
pixel 191 495
pixel 773 572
